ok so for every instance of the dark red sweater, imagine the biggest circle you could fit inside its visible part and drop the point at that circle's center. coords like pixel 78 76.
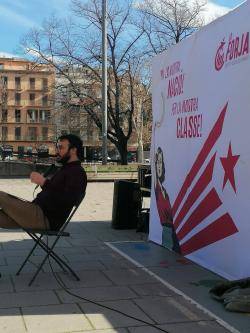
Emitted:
pixel 60 193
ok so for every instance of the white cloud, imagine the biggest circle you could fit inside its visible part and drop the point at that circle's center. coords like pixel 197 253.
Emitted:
pixel 12 16
pixel 8 55
pixel 213 11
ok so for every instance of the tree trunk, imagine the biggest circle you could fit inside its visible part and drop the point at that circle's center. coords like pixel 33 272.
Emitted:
pixel 140 152
pixel 123 151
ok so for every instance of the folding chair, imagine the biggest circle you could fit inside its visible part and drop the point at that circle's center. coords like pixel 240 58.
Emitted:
pixel 37 235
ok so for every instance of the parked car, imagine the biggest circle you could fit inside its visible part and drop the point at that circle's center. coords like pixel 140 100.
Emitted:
pixel 6 152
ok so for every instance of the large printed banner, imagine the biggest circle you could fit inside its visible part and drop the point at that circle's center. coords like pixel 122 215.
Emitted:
pixel 200 152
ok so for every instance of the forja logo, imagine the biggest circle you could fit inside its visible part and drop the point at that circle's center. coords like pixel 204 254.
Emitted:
pixel 235 48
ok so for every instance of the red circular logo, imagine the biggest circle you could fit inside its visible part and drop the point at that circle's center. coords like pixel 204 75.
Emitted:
pixel 219 57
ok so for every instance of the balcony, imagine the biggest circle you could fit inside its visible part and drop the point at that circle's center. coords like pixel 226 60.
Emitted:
pixel 30 138
pixel 32 121
pixel 37 138
pixel 45 121
pixel 39 121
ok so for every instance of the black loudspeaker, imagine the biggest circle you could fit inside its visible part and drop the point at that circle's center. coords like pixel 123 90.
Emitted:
pixel 126 205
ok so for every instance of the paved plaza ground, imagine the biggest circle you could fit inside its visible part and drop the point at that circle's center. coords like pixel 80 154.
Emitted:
pixel 107 277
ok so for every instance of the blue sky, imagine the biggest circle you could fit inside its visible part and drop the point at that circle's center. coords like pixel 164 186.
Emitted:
pixel 18 16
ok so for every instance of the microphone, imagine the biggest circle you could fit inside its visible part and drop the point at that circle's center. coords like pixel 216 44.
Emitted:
pixel 47 172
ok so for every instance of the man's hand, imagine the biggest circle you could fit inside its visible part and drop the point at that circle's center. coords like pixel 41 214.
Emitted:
pixel 37 178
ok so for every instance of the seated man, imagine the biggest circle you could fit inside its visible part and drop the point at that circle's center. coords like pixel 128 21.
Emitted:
pixel 59 194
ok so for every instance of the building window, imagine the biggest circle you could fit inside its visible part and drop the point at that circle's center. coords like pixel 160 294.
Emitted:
pixel 32 133
pixel 5 97
pixel 45 133
pixel 4 116
pixel 32 98
pixel 18 133
pixel 32 116
pixel 1 66
pixel 17 98
pixel 45 83
pixel 45 100
pixel 44 116
pixel 4 133
pixel 17 82
pixel 17 116
pixel 32 83
pixel 5 80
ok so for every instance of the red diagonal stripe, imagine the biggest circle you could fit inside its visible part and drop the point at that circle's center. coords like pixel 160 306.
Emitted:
pixel 198 188
pixel 207 147
pixel 207 206
pixel 219 229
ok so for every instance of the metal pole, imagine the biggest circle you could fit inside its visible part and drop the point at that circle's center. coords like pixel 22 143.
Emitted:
pixel 104 82
pixel 140 143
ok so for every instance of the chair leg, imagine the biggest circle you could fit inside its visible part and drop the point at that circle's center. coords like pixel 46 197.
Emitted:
pixel 52 253
pixel 28 256
pixel 44 246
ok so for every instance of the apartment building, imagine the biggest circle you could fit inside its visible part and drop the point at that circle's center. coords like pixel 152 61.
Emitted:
pixel 26 105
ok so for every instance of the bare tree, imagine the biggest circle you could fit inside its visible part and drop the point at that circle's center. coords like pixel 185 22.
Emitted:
pixel 167 22
pixel 74 47
pixel 142 116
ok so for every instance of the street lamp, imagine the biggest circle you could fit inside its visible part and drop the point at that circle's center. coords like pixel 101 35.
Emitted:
pixel 104 82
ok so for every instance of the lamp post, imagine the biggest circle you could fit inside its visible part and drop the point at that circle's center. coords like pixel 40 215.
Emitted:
pixel 140 138
pixel 104 82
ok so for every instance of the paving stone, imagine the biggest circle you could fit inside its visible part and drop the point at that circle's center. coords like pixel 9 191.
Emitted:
pixel 116 263
pixel 20 245
pixel 100 249
pixel 55 319
pixel 84 242
pixel 32 298
pixel 170 309
pixel 11 321
pixel 12 269
pixel 44 281
pixel 14 253
pixel 116 330
pixel 102 318
pixel 111 255
pixel 79 257
pixel 194 327
pixel 152 289
pixel 87 279
pixel 97 294
pixel 71 250
pixel 76 266
pixel 6 285
pixel 18 260
pixel 3 261
pixel 129 276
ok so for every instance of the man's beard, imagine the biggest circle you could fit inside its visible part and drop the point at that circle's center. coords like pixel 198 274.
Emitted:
pixel 63 160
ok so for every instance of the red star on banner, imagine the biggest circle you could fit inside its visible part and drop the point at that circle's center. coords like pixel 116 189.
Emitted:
pixel 228 164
